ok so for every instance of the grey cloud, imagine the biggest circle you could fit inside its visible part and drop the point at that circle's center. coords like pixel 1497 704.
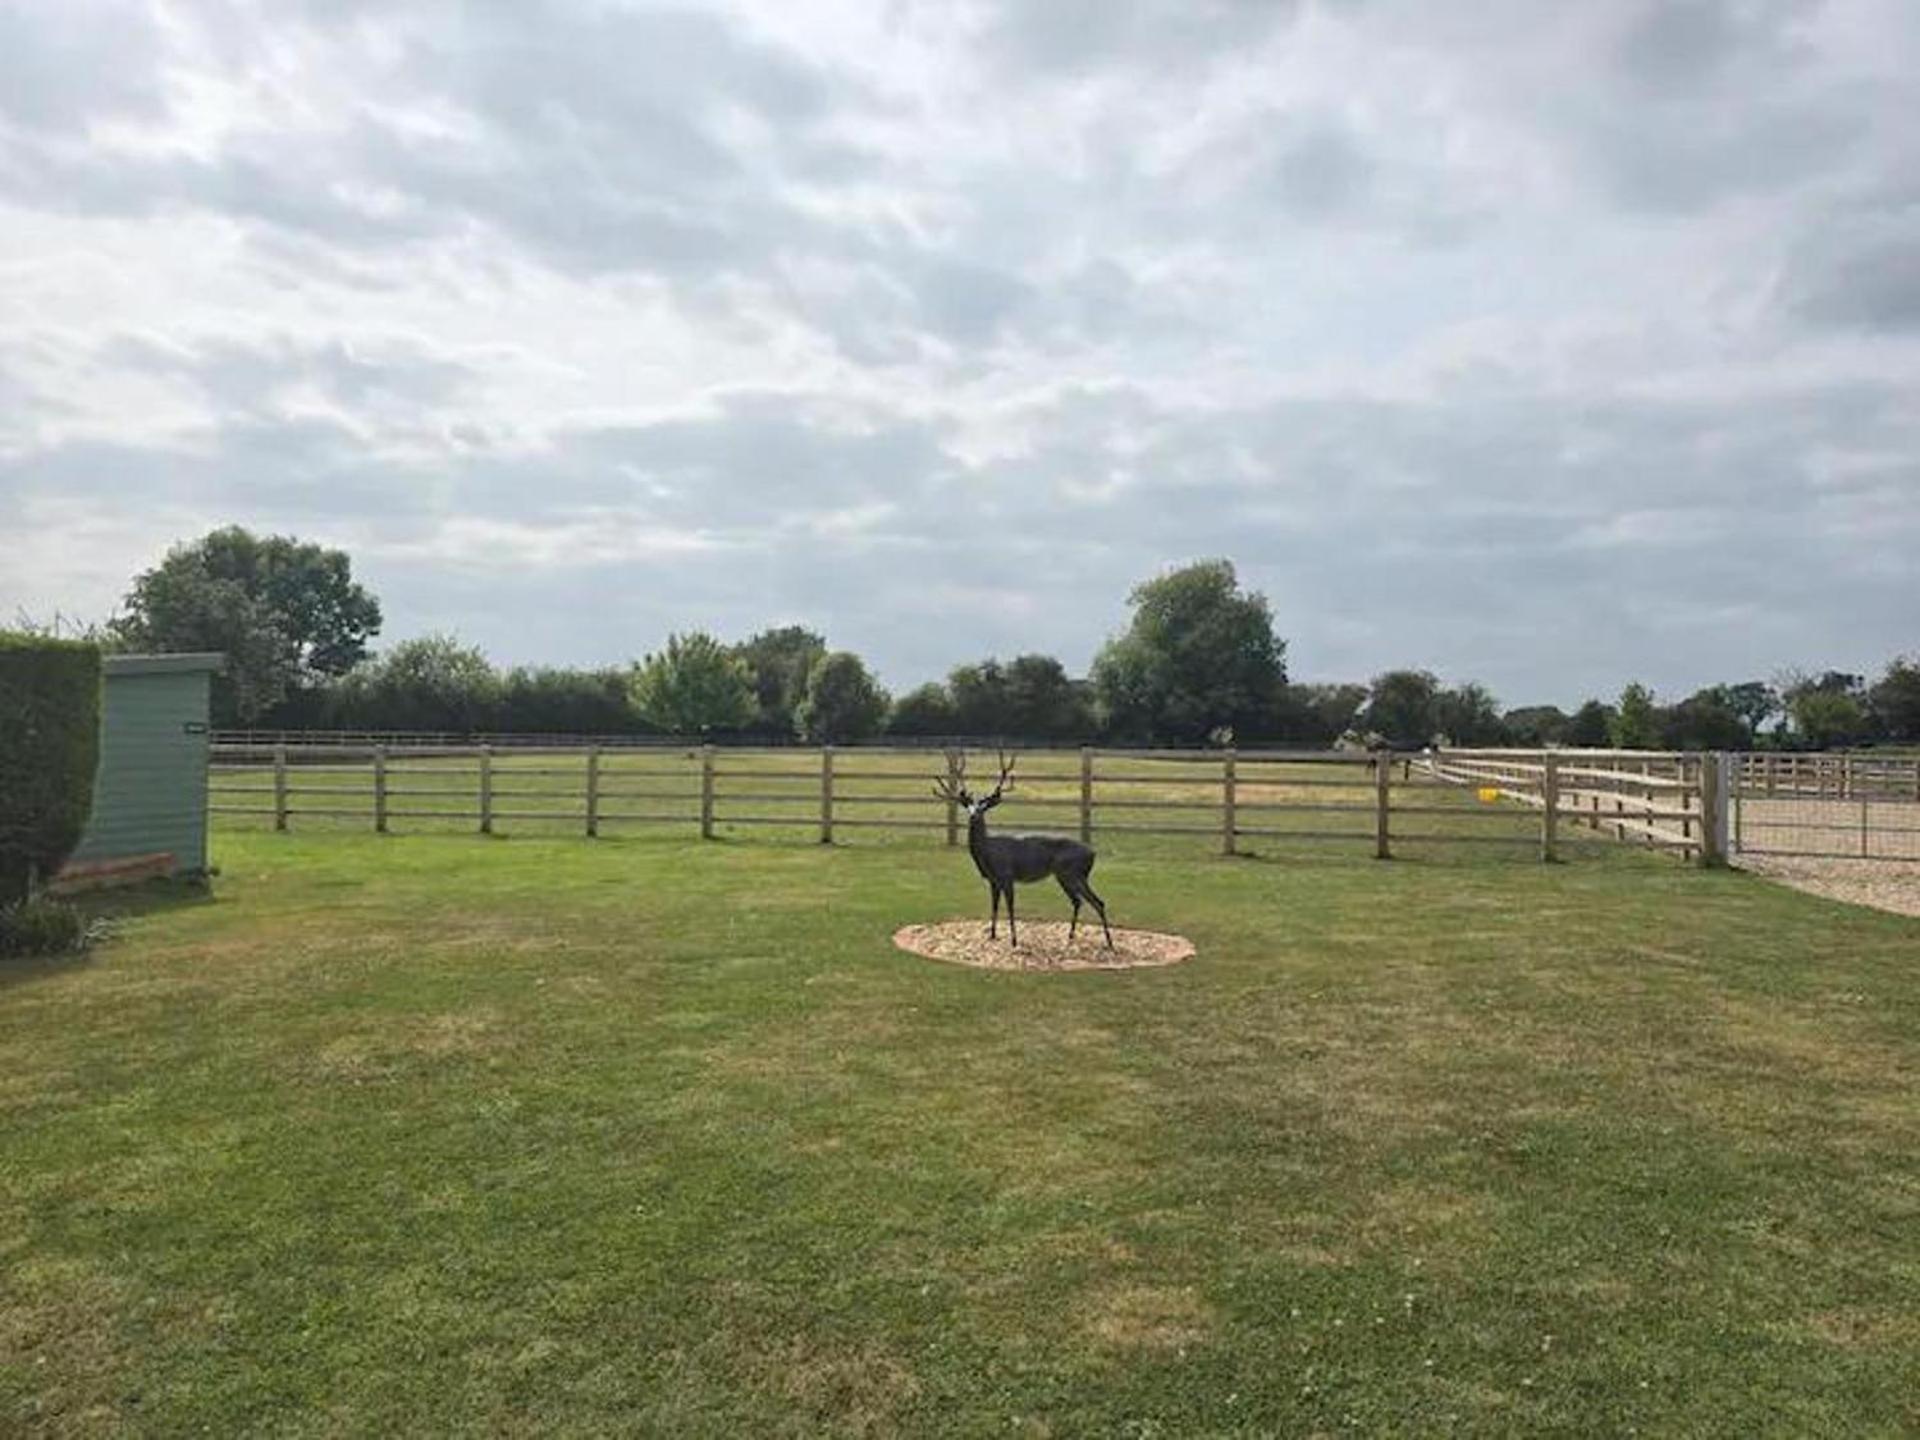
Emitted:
pixel 1454 473
pixel 237 377
pixel 1355 516
pixel 1068 35
pixel 968 303
pixel 64 64
pixel 1859 272
pixel 540 66
pixel 287 469
pixel 600 146
pixel 1675 44
pixel 1322 173
pixel 1361 510
pixel 1685 158
pixel 1720 97
pixel 760 462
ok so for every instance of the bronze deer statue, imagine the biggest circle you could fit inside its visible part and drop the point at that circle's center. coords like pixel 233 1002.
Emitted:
pixel 1008 860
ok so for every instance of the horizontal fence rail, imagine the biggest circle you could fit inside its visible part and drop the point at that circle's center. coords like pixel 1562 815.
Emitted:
pixel 1535 801
pixel 1842 776
pixel 1658 799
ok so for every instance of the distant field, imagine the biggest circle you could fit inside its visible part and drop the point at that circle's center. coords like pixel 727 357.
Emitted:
pixel 443 1134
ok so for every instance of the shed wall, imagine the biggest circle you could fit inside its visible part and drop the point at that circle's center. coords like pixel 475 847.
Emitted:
pixel 150 794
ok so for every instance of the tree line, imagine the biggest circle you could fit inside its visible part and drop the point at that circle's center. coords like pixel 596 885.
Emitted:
pixel 1199 662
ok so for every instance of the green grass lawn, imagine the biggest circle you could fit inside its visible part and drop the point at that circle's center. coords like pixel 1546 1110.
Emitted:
pixel 436 1133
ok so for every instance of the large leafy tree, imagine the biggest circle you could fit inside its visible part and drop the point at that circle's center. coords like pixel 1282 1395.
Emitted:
pixel 1591 725
pixel 287 615
pixel 979 693
pixel 1828 710
pixel 1401 708
pixel 1468 715
pixel 567 702
pixel 1705 720
pixel 843 701
pixel 1636 720
pixel 1316 714
pixel 1030 697
pixel 926 710
pixel 694 684
pixel 778 663
pixel 1199 655
pixel 1538 725
pixel 1754 701
pixel 1895 699
pixel 1827 719
pixel 431 683
pixel 1044 702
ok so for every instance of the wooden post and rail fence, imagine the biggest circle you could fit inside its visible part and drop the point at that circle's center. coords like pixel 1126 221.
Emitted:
pixel 1542 800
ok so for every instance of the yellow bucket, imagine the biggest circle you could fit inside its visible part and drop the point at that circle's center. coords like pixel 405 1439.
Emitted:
pixel 1488 795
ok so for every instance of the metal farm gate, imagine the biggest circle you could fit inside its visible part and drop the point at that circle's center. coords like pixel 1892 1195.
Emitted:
pixel 1838 805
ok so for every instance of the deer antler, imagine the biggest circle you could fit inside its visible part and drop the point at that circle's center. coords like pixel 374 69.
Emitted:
pixel 1005 782
pixel 950 786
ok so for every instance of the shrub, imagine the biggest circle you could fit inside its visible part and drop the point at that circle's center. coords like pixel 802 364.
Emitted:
pixel 44 926
pixel 49 749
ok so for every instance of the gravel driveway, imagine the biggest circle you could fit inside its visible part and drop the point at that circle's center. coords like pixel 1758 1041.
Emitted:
pixel 1885 884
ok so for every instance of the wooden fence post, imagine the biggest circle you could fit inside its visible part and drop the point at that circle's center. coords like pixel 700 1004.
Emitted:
pixel 953 810
pixel 1229 821
pixel 1550 808
pixel 826 794
pixel 1382 783
pixel 486 789
pixel 280 787
pixel 1865 849
pixel 1086 795
pixel 380 789
pixel 1713 815
pixel 1646 796
pixel 706 792
pixel 593 790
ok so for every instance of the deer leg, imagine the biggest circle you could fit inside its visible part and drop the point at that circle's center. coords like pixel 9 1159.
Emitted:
pixel 1013 932
pixel 1099 905
pixel 1074 896
pixel 993 925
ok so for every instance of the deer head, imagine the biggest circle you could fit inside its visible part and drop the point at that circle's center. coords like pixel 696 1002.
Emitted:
pixel 952 786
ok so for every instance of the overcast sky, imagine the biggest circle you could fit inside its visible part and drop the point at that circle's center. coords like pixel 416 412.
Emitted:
pixel 1545 345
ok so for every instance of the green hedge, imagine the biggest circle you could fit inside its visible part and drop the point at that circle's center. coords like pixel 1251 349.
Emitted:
pixel 49 749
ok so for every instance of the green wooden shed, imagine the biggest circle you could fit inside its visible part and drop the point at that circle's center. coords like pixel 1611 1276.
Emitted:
pixel 150 793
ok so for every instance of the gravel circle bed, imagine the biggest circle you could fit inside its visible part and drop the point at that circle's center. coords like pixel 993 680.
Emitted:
pixel 1043 946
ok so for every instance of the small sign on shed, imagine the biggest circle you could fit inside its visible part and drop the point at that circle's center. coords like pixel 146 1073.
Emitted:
pixel 150 793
